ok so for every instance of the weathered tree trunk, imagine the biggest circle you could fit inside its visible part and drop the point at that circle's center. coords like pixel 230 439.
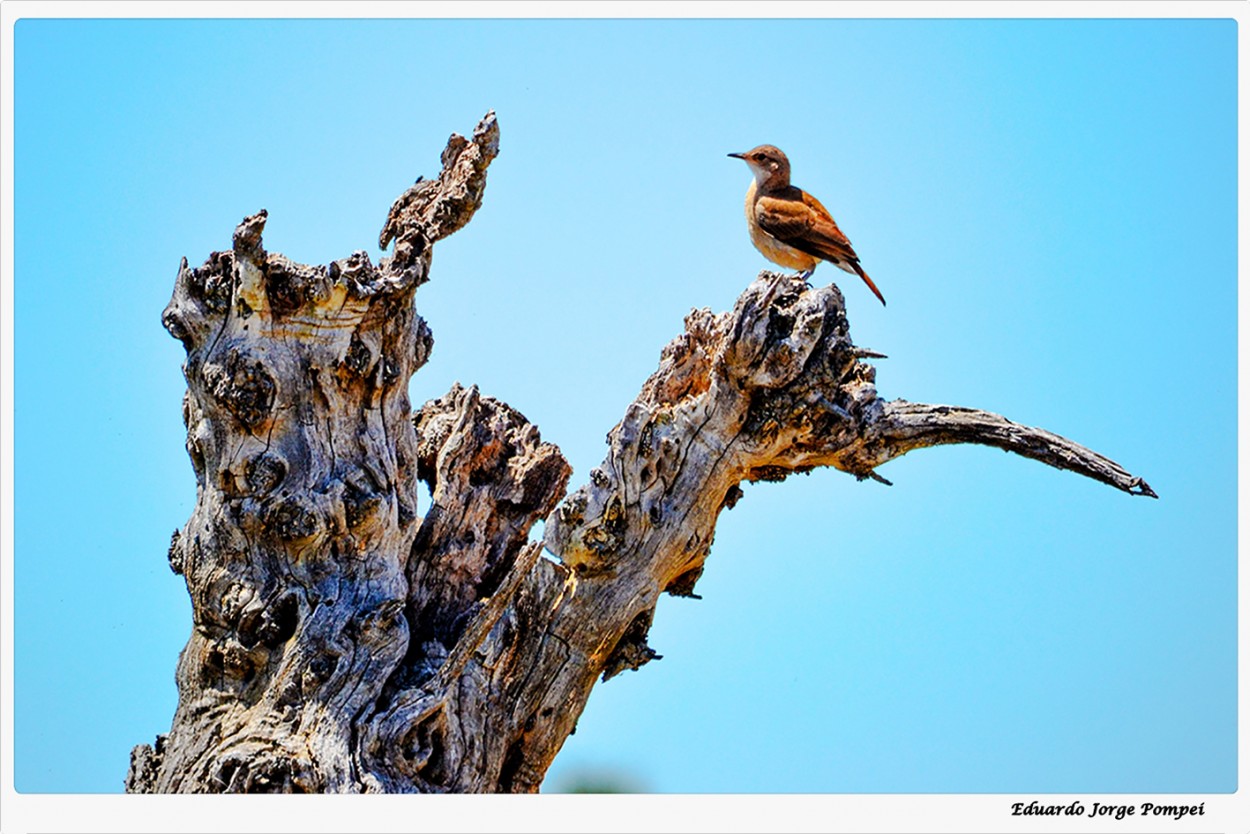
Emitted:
pixel 343 643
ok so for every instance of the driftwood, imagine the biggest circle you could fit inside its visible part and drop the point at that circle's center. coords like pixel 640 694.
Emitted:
pixel 343 642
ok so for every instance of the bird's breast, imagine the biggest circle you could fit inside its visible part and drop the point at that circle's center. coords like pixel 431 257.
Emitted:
pixel 771 248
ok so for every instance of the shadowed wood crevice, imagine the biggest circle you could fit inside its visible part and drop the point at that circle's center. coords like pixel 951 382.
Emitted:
pixel 345 642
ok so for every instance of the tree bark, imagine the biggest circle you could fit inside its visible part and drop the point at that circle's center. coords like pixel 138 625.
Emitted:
pixel 341 642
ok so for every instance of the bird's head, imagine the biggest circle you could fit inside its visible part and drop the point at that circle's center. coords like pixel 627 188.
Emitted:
pixel 767 163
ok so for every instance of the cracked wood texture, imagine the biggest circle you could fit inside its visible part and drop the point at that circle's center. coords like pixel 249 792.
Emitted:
pixel 342 641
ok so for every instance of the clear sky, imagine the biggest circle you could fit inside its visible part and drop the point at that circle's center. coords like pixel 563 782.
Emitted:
pixel 1048 206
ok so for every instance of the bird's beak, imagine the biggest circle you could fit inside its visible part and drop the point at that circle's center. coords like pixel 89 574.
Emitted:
pixel 737 155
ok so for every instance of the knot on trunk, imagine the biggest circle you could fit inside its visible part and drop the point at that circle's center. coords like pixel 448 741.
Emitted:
pixel 243 386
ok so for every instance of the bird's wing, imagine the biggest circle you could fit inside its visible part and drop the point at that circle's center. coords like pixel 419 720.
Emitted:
pixel 798 219
pixel 802 222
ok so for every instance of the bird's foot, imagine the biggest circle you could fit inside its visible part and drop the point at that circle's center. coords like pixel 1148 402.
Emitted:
pixel 805 274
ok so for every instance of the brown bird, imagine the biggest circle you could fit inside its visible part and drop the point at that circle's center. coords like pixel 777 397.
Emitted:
pixel 789 226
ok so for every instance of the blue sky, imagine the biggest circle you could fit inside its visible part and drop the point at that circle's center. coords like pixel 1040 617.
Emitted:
pixel 1048 206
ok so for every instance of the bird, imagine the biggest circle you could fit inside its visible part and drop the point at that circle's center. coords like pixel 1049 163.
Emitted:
pixel 789 226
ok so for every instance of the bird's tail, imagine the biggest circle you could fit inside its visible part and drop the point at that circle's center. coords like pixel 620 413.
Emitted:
pixel 869 282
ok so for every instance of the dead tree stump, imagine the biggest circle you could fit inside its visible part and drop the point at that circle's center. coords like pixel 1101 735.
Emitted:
pixel 344 643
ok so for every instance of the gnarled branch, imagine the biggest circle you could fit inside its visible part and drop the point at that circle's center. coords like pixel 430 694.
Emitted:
pixel 903 426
